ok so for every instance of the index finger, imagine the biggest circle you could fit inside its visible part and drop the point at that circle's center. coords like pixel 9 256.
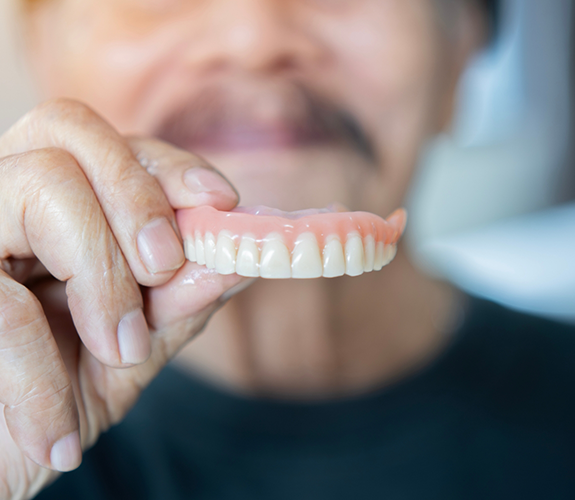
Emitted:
pixel 187 180
pixel 133 202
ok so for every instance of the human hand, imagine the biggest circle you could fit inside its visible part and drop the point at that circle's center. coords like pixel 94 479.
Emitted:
pixel 95 293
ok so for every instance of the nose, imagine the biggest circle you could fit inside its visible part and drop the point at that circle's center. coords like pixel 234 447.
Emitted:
pixel 253 35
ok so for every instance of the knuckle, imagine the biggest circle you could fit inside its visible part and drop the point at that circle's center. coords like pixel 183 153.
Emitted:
pixel 45 190
pixel 48 158
pixel 54 390
pixel 26 338
pixel 48 174
pixel 34 163
pixel 33 166
pixel 19 309
pixel 62 108
pixel 130 187
pixel 54 167
pixel 49 392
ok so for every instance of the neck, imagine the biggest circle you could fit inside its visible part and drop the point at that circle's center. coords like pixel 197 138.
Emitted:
pixel 310 339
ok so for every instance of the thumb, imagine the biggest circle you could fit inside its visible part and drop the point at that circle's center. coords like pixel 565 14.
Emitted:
pixel 192 290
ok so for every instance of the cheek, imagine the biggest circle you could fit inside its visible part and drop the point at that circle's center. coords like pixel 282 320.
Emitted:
pixel 390 57
pixel 113 76
pixel 119 80
pixel 101 61
pixel 386 71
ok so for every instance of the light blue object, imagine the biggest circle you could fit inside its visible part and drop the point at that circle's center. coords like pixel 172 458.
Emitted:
pixel 506 156
pixel 527 263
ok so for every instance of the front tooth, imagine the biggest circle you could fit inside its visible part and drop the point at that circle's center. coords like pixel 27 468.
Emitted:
pixel 389 254
pixel 354 255
pixel 333 258
pixel 225 254
pixel 275 261
pixel 369 247
pixel 200 253
pixel 210 250
pixel 306 259
pixel 190 249
pixel 248 258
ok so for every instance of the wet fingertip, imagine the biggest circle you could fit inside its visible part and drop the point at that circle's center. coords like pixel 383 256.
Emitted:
pixel 66 453
pixel 134 338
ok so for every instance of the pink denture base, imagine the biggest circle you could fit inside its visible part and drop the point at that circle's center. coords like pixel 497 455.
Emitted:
pixel 207 219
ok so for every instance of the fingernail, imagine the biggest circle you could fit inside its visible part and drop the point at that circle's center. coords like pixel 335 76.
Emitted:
pixel 203 181
pixel 159 247
pixel 134 338
pixel 66 454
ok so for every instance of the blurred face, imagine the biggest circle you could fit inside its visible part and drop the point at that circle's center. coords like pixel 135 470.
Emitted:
pixel 299 102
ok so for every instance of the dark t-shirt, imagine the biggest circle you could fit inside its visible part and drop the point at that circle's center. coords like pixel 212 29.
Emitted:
pixel 492 418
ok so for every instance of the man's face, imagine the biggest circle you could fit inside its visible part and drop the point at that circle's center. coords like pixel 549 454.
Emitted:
pixel 299 102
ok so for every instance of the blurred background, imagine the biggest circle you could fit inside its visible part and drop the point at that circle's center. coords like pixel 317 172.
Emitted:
pixel 493 207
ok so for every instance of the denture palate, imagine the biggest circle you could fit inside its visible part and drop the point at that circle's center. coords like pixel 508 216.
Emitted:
pixel 268 243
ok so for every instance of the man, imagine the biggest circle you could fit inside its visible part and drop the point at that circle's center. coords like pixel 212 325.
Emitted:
pixel 352 387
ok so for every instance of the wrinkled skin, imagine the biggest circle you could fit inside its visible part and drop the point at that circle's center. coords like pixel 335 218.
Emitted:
pixel 61 364
pixel 74 199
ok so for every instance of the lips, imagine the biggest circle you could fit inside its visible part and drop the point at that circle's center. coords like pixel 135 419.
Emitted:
pixel 279 142
pixel 260 115
pixel 253 136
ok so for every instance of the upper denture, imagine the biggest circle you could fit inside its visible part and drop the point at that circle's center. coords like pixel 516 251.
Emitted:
pixel 265 242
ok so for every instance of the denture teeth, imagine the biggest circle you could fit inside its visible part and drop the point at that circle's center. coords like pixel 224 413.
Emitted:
pixel 379 251
pixel 200 254
pixel 275 259
pixel 306 259
pixel 389 254
pixel 369 257
pixel 190 249
pixel 333 258
pixel 248 257
pixel 384 254
pixel 225 253
pixel 354 255
pixel 210 250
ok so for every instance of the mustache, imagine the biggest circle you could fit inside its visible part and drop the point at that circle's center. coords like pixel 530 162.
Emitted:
pixel 307 117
